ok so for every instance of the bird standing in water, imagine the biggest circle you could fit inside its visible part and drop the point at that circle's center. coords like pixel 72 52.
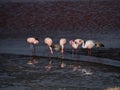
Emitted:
pixel 62 43
pixel 74 46
pixel 89 44
pixel 32 41
pixel 49 42
pixel 78 42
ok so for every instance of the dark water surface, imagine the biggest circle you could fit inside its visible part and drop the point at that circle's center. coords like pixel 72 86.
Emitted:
pixel 28 73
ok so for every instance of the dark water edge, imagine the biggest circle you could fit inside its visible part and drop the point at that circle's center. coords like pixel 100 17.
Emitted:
pixel 16 72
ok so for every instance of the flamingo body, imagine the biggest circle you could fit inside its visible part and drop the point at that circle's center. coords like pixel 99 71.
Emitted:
pixel 89 44
pixel 62 43
pixel 32 41
pixel 78 41
pixel 73 44
pixel 48 41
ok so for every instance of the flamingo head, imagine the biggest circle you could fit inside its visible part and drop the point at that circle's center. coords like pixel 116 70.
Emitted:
pixel 31 40
pixel 62 41
pixel 48 41
pixel 78 41
pixel 36 42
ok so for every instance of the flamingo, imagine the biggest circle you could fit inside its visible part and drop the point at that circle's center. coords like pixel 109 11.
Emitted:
pixel 89 44
pixel 78 42
pixel 32 41
pixel 49 42
pixel 60 46
pixel 74 45
pixel 62 42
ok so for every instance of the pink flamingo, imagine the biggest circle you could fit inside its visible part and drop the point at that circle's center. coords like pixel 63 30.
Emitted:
pixel 78 42
pixel 89 44
pixel 32 41
pixel 49 42
pixel 74 45
pixel 62 43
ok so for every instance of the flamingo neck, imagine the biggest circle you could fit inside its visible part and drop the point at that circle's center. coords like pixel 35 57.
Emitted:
pixel 51 51
pixel 83 44
pixel 62 48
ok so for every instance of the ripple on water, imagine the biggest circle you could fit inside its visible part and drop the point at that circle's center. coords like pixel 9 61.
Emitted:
pixel 16 72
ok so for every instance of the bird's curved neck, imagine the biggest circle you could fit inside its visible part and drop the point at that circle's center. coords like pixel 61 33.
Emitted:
pixel 51 51
pixel 83 44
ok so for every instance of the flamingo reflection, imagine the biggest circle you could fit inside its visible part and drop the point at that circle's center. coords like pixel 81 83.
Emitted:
pixel 62 64
pixel 48 41
pixel 33 60
pixel 49 66
pixel 87 71
pixel 75 67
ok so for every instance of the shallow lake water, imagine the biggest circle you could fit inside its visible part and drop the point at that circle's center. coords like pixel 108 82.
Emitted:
pixel 25 72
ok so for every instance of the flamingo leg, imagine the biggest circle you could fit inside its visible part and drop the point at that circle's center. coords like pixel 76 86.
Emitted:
pixel 79 54
pixel 32 48
pixel 51 51
pixel 89 52
pixel 77 51
pixel 73 56
pixel 72 53
pixel 62 53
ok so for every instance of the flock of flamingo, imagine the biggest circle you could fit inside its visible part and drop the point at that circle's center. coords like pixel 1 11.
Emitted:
pixel 89 44
pixel 75 44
